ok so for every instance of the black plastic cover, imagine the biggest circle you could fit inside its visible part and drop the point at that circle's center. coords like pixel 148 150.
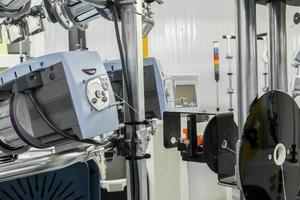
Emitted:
pixel 273 120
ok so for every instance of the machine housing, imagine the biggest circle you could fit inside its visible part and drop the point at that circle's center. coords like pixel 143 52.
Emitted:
pixel 72 88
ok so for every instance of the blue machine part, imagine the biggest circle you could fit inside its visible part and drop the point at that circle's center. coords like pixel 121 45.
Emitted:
pixel 155 98
pixel 81 69
pixel 80 181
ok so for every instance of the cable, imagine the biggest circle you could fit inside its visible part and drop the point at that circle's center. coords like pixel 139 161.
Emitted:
pixel 136 111
pixel 51 125
pixel 133 164
pixel 283 183
pixel 122 57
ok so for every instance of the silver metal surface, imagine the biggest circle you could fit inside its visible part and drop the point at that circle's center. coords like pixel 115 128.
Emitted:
pixel 97 92
pixel 132 41
pixel 97 3
pixel 77 40
pixel 278 46
pixel 148 25
pixel 8 134
pixel 14 8
pixel 247 78
pixel 43 164
pixel 247 58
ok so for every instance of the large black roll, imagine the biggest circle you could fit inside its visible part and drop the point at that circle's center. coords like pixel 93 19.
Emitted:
pixel 269 167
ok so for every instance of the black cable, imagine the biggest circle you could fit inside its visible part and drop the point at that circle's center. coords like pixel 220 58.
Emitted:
pixel 133 163
pixel 123 61
pixel 51 125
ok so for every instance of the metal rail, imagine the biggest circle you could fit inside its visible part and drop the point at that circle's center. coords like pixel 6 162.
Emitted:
pixel 43 164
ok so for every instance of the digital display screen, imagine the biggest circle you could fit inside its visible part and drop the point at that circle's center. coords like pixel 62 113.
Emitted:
pixel 185 96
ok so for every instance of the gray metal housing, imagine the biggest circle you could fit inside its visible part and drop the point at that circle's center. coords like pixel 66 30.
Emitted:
pixel 155 98
pixel 63 96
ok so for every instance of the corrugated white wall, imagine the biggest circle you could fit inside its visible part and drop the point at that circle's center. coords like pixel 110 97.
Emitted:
pixel 182 41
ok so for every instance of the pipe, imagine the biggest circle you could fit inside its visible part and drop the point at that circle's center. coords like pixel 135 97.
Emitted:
pixel 247 58
pixel 278 55
pixel 132 41
pixel 247 78
pixel 43 164
pixel 148 25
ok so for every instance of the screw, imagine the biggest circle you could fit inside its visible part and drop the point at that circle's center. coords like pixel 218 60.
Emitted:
pixel 104 84
pixel 98 93
pixel 270 157
pixel 224 144
pixel 104 99
pixel 173 140
pixel 94 100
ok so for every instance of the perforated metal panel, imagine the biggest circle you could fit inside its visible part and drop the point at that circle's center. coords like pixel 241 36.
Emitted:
pixel 80 181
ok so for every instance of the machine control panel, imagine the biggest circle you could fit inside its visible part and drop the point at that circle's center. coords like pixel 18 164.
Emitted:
pixel 97 92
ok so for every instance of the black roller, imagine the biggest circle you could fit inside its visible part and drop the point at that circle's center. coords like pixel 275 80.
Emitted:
pixel 210 145
pixel 219 141
pixel 269 167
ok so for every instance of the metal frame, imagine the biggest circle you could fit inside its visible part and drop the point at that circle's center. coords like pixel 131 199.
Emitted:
pixel 247 89
pixel 277 49
pixel 131 19
pixel 247 55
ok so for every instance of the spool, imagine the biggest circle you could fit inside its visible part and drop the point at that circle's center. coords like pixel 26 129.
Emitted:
pixel 279 154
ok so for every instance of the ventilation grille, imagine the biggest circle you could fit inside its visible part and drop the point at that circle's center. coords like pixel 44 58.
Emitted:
pixel 71 183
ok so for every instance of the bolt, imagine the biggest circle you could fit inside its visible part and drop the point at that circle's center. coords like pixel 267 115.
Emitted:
pixel 94 100
pixel 224 144
pixel 173 140
pixel 104 84
pixel 104 99
pixel 270 157
pixel 98 93
pixel 148 138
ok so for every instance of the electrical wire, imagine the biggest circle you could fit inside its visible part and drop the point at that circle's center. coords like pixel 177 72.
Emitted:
pixel 132 163
pixel 51 125
pixel 136 111
pixel 283 183
pixel 122 57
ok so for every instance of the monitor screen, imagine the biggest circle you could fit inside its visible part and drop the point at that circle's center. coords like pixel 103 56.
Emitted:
pixel 185 96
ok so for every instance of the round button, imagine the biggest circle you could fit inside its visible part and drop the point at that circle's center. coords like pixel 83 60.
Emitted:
pixel 104 99
pixel 94 100
pixel 98 93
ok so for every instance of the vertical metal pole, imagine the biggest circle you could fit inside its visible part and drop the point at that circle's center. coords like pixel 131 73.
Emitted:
pixel 278 55
pixel 77 40
pixel 247 58
pixel 131 15
pixel 247 78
